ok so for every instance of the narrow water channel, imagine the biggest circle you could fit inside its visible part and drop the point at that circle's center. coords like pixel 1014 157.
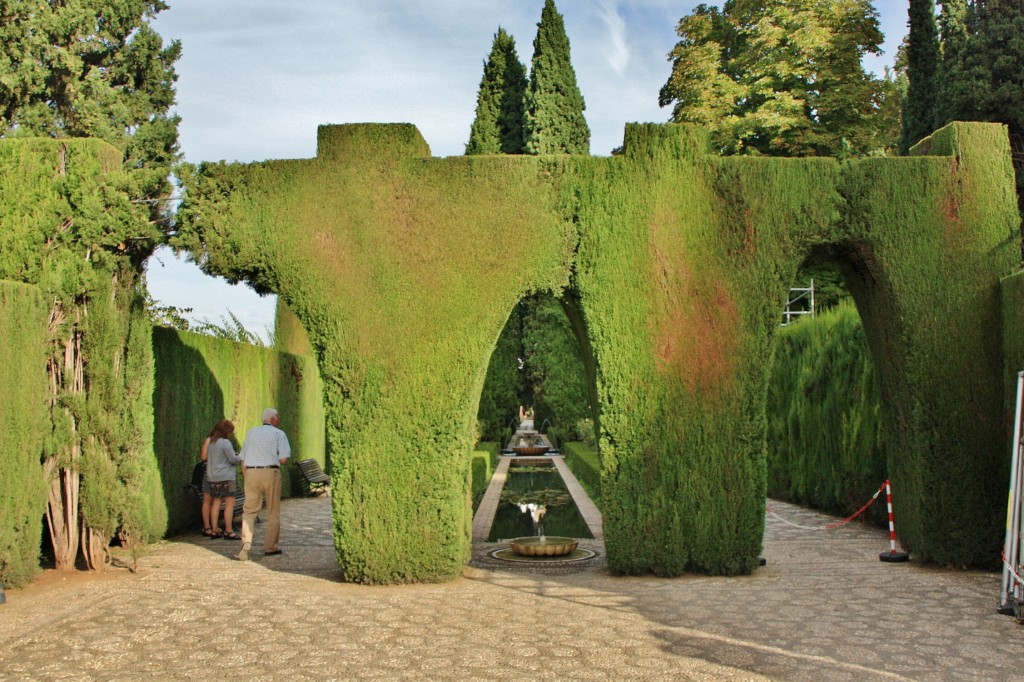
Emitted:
pixel 537 485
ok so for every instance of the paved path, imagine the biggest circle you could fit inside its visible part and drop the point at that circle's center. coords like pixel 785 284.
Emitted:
pixel 824 608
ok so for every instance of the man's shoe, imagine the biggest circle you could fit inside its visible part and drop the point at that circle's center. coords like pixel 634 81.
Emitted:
pixel 273 552
pixel 243 555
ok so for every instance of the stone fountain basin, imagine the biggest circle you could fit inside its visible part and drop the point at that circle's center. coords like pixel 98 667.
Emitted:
pixel 530 450
pixel 546 546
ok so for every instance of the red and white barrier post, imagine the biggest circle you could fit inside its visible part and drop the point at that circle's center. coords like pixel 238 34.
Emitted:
pixel 1010 591
pixel 892 556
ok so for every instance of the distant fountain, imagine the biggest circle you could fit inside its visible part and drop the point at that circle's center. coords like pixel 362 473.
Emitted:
pixel 529 443
pixel 540 544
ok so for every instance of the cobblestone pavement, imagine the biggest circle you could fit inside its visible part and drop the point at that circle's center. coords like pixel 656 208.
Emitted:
pixel 823 608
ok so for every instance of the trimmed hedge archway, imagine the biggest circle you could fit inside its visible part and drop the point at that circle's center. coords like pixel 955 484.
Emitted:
pixel 403 270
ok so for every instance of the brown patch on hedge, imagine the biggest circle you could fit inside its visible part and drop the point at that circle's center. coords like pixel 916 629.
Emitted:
pixel 694 320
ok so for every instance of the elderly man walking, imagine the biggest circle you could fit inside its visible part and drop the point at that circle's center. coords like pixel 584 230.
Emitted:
pixel 264 451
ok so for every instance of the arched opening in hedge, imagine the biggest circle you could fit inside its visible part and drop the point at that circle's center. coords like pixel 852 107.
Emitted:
pixel 677 261
pixel 826 445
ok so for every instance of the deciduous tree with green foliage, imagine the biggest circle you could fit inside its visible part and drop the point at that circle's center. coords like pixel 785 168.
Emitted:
pixel 782 78
pixel 554 121
pixel 498 126
pixel 75 68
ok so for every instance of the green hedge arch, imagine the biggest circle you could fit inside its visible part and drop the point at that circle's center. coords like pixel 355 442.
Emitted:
pixel 404 268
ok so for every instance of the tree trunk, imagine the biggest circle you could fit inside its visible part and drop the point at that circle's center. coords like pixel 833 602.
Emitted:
pixel 67 377
pixel 95 549
pixel 62 513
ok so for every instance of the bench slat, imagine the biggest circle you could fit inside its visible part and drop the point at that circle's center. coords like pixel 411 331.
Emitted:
pixel 315 477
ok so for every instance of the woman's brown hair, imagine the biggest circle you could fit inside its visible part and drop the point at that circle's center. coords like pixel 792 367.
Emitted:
pixel 222 429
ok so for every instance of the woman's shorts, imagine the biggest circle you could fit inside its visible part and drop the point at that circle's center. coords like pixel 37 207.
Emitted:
pixel 221 489
pixel 206 484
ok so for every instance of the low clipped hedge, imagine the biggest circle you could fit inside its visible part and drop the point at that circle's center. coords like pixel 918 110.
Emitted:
pixel 585 464
pixel 485 460
pixel 825 437
pixel 23 316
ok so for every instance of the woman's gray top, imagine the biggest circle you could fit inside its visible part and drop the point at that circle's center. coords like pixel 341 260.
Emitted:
pixel 221 461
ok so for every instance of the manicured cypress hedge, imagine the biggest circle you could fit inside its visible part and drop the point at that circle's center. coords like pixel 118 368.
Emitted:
pixel 200 380
pixel 72 224
pixel 937 237
pixel 23 413
pixel 675 265
pixel 825 440
pixel 485 459
pixel 1012 291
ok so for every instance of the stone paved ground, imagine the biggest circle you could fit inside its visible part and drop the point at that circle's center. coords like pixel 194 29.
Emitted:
pixel 824 608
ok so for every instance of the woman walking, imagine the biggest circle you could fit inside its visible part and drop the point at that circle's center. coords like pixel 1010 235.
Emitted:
pixel 221 470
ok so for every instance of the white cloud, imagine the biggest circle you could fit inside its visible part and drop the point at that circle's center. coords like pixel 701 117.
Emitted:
pixel 618 54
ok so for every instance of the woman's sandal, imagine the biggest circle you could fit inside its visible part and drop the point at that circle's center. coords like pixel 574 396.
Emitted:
pixel 208 532
pixel 232 535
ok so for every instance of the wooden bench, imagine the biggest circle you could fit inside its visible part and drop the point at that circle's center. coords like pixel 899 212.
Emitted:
pixel 315 477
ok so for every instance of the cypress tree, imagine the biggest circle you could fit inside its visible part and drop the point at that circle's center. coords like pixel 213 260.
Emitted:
pixel 498 126
pixel 78 68
pixel 554 105
pixel 992 86
pixel 920 105
pixel 955 35
pixel 998 53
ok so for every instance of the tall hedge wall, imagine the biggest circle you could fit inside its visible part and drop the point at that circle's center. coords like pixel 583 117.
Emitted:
pixel 825 439
pixel 200 380
pixel 23 411
pixel 678 264
pixel 1012 291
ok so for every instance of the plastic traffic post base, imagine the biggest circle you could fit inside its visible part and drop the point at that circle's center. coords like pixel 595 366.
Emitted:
pixel 894 557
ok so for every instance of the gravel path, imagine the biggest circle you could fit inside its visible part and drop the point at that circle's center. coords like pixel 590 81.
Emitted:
pixel 824 607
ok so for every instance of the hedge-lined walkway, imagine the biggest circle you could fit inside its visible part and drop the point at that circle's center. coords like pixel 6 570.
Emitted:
pixel 824 607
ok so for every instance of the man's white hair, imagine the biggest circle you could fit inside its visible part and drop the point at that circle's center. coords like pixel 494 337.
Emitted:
pixel 269 414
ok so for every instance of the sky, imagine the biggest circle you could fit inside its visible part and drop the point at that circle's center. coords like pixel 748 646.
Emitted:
pixel 256 78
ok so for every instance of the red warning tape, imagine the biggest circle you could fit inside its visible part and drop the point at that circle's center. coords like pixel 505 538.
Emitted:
pixel 836 524
pixel 860 511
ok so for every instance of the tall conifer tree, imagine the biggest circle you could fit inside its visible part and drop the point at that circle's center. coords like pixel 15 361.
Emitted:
pixel 920 108
pixel 498 126
pixel 554 105
pixel 954 102
pixel 995 75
